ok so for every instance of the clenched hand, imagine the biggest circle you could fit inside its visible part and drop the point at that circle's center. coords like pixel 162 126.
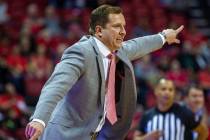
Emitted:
pixel 34 130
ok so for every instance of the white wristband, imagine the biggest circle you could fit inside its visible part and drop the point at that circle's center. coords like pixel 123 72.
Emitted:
pixel 163 38
pixel 40 121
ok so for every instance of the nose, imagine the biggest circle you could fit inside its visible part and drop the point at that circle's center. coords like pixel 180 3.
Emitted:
pixel 166 93
pixel 123 31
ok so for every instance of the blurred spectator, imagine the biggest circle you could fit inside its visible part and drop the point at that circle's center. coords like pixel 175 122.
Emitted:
pixel 178 18
pixel 48 41
pixel 178 5
pixel 5 73
pixel 166 2
pixel 142 28
pixel 159 19
pixel 67 3
pixel 17 67
pixel 3 12
pixel 144 69
pixel 193 37
pixel 26 46
pixel 178 75
pixel 59 51
pixel 187 59
pixel 44 38
pixel 33 21
pixel 12 109
pixel 146 73
pixel 27 41
pixel 111 2
pixel 16 61
pixel 205 52
pixel 51 21
pixel 12 103
pixel 38 70
pixel 69 17
pixel 195 102
pixel 74 32
pixel 95 3
pixel 163 64
pixel 152 3
pixel 5 44
pixel 204 78
pixel 194 42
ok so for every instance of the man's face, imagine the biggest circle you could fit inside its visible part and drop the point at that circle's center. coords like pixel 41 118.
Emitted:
pixel 195 99
pixel 165 92
pixel 112 35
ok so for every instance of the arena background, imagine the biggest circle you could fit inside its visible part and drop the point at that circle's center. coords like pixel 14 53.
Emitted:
pixel 34 33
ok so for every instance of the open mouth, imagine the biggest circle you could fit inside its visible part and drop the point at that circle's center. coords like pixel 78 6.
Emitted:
pixel 120 40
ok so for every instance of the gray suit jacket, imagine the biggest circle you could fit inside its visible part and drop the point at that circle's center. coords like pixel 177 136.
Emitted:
pixel 71 102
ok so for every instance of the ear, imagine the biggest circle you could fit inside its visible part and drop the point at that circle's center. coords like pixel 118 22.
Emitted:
pixel 98 31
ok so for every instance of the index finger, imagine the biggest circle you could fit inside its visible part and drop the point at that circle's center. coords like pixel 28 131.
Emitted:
pixel 180 29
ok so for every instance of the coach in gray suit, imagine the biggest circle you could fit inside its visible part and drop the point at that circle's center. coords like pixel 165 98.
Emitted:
pixel 72 102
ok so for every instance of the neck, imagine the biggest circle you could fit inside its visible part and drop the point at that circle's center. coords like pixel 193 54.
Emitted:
pixel 111 50
pixel 164 107
pixel 193 109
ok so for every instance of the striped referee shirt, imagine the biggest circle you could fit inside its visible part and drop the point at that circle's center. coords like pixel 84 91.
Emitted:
pixel 175 124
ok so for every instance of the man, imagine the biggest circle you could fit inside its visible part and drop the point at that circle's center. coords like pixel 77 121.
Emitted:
pixel 169 120
pixel 195 102
pixel 78 101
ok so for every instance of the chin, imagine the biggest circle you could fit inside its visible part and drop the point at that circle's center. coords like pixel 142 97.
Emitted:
pixel 119 45
pixel 166 103
pixel 117 48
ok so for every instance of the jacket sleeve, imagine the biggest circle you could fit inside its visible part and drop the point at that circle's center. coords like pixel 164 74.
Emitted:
pixel 138 47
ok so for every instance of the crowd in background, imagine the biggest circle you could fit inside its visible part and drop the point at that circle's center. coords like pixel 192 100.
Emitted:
pixel 33 35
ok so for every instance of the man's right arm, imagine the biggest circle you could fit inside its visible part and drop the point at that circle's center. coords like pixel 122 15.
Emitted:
pixel 65 75
pixel 138 47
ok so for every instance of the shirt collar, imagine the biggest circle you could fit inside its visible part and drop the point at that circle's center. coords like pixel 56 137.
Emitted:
pixel 104 50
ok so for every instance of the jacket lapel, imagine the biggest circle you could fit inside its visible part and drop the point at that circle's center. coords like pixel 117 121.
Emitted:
pixel 101 70
pixel 120 55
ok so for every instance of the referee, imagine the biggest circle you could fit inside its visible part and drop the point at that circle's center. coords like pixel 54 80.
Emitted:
pixel 169 120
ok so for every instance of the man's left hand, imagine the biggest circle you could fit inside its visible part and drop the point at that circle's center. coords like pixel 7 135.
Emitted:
pixel 171 35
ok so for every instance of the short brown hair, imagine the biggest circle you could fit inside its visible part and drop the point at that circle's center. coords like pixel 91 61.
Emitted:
pixel 99 16
pixel 194 86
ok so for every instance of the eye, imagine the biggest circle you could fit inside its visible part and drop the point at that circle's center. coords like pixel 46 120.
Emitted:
pixel 171 89
pixel 163 89
pixel 116 26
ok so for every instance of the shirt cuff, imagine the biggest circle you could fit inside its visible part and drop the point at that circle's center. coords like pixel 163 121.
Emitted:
pixel 163 38
pixel 40 121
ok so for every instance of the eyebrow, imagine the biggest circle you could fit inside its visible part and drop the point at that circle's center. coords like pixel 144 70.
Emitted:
pixel 118 24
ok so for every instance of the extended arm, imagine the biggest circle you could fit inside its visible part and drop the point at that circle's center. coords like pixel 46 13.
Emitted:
pixel 138 47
